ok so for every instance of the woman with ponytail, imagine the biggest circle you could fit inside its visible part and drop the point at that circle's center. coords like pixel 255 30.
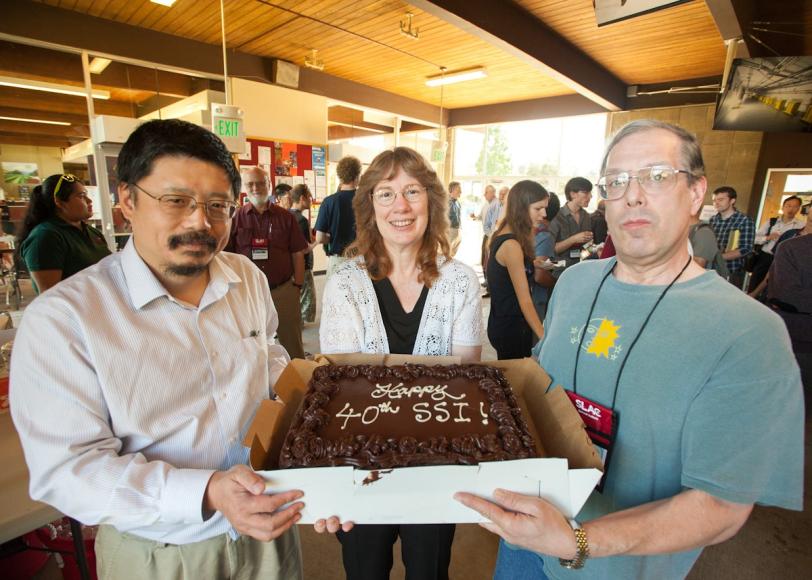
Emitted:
pixel 55 240
pixel 513 318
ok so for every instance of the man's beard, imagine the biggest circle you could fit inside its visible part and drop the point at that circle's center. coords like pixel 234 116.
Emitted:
pixel 190 270
pixel 258 200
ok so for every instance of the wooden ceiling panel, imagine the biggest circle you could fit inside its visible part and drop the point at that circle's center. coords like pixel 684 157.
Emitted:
pixel 679 42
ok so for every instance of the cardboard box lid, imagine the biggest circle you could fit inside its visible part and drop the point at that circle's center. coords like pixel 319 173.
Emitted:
pixel 379 496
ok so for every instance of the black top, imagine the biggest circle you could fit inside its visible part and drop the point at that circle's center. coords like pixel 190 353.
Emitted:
pixel 503 297
pixel 304 225
pixel 401 327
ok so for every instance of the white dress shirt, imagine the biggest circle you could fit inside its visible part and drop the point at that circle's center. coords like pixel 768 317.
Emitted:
pixel 779 228
pixel 127 400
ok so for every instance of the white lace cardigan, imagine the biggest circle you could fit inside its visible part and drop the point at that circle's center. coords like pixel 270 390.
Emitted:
pixel 351 320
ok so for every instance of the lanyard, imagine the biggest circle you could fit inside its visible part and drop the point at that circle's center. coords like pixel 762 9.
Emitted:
pixel 634 342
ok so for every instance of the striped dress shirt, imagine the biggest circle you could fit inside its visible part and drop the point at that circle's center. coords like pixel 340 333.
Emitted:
pixel 127 400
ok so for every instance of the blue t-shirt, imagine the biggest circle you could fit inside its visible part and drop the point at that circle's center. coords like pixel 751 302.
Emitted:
pixel 337 218
pixel 545 246
pixel 710 398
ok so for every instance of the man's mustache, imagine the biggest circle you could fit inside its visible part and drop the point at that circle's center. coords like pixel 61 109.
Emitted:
pixel 193 238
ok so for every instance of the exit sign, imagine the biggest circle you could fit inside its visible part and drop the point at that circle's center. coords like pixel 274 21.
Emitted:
pixel 227 123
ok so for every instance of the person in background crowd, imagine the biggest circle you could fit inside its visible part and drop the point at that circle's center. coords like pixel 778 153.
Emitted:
pixel 281 195
pixel 734 231
pixel 485 212
pixel 401 293
pixel 271 238
pixel 501 207
pixel 705 248
pixel 454 214
pixel 335 224
pixel 513 319
pixel 55 240
pixel 134 381
pixel 768 235
pixel 572 227
pixel 300 198
pixel 599 228
pixel 790 293
pixel 672 483
pixel 545 250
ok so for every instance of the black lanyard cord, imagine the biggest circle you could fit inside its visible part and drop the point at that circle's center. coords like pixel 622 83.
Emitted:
pixel 636 338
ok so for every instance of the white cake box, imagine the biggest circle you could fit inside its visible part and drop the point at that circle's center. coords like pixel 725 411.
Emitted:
pixel 565 475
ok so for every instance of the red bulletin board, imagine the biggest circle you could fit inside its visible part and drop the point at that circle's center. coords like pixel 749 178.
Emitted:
pixel 280 156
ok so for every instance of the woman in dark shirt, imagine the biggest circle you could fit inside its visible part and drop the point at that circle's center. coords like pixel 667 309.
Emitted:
pixel 513 318
pixel 400 293
pixel 56 241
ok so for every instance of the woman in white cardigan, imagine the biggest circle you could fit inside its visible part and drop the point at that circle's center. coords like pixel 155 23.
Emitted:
pixel 401 293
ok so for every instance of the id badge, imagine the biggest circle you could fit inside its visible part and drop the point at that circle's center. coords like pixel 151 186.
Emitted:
pixel 259 248
pixel 601 426
pixel 575 254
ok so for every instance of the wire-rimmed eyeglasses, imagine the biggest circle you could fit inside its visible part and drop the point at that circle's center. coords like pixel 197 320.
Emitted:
pixel 217 210
pixel 655 179
pixel 386 196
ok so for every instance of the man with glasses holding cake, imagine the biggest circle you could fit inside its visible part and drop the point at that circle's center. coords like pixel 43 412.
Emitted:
pixel 699 425
pixel 136 379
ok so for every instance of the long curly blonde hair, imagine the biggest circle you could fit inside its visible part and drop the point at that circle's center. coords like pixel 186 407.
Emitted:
pixel 368 241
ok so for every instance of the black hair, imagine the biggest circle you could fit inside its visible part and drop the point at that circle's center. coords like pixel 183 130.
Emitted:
pixel 553 207
pixel 173 138
pixel 793 198
pixel 41 206
pixel 731 193
pixel 576 184
pixel 282 189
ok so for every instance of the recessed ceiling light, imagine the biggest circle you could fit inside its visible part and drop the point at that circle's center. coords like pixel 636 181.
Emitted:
pixel 24 120
pixel 163 2
pixel 51 87
pixel 457 76
pixel 98 64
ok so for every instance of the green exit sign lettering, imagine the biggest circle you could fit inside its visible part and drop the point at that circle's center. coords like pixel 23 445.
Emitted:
pixel 227 127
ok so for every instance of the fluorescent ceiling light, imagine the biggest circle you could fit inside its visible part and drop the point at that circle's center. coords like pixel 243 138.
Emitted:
pixel 51 87
pixel 21 119
pixel 457 77
pixel 163 2
pixel 98 64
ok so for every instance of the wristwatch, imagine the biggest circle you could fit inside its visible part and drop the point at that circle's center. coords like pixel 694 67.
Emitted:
pixel 581 546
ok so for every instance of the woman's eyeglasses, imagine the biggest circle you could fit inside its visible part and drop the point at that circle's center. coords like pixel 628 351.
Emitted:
pixel 386 196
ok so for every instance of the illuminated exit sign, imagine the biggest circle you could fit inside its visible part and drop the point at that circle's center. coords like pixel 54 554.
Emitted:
pixel 227 123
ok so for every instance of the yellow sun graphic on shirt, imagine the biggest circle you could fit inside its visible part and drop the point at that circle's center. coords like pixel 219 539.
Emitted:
pixel 604 339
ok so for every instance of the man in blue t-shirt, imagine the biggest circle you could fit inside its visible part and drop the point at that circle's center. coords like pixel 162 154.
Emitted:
pixel 335 224
pixel 710 415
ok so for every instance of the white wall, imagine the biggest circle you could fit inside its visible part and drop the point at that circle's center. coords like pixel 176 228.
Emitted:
pixel 273 112
pixel 48 159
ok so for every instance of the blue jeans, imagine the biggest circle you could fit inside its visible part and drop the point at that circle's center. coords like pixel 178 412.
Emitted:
pixel 518 564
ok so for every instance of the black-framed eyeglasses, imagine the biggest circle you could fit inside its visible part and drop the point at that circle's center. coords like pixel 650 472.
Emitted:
pixel 178 205
pixel 69 177
pixel 386 196
pixel 654 180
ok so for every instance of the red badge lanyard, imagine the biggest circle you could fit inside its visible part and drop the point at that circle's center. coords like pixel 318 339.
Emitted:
pixel 602 422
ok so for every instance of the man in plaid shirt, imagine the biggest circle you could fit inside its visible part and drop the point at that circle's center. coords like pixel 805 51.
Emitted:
pixel 735 232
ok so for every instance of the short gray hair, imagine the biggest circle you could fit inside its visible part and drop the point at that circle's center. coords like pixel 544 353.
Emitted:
pixel 691 151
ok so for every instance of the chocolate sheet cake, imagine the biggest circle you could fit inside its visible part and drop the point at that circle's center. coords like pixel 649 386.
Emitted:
pixel 378 417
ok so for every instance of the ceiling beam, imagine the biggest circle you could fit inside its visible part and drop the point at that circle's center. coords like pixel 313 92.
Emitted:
pixel 513 29
pixel 33 140
pixel 26 113
pixel 81 131
pixel 550 107
pixel 66 29
pixel 41 101
pixel 732 18
pixel 336 132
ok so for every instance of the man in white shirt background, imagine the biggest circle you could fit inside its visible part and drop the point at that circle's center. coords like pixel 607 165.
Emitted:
pixel 135 381
pixel 768 234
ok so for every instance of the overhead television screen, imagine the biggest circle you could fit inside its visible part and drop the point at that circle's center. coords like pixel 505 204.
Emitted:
pixel 609 11
pixel 767 94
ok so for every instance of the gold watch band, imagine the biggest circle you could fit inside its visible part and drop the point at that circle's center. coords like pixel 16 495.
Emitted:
pixel 582 549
